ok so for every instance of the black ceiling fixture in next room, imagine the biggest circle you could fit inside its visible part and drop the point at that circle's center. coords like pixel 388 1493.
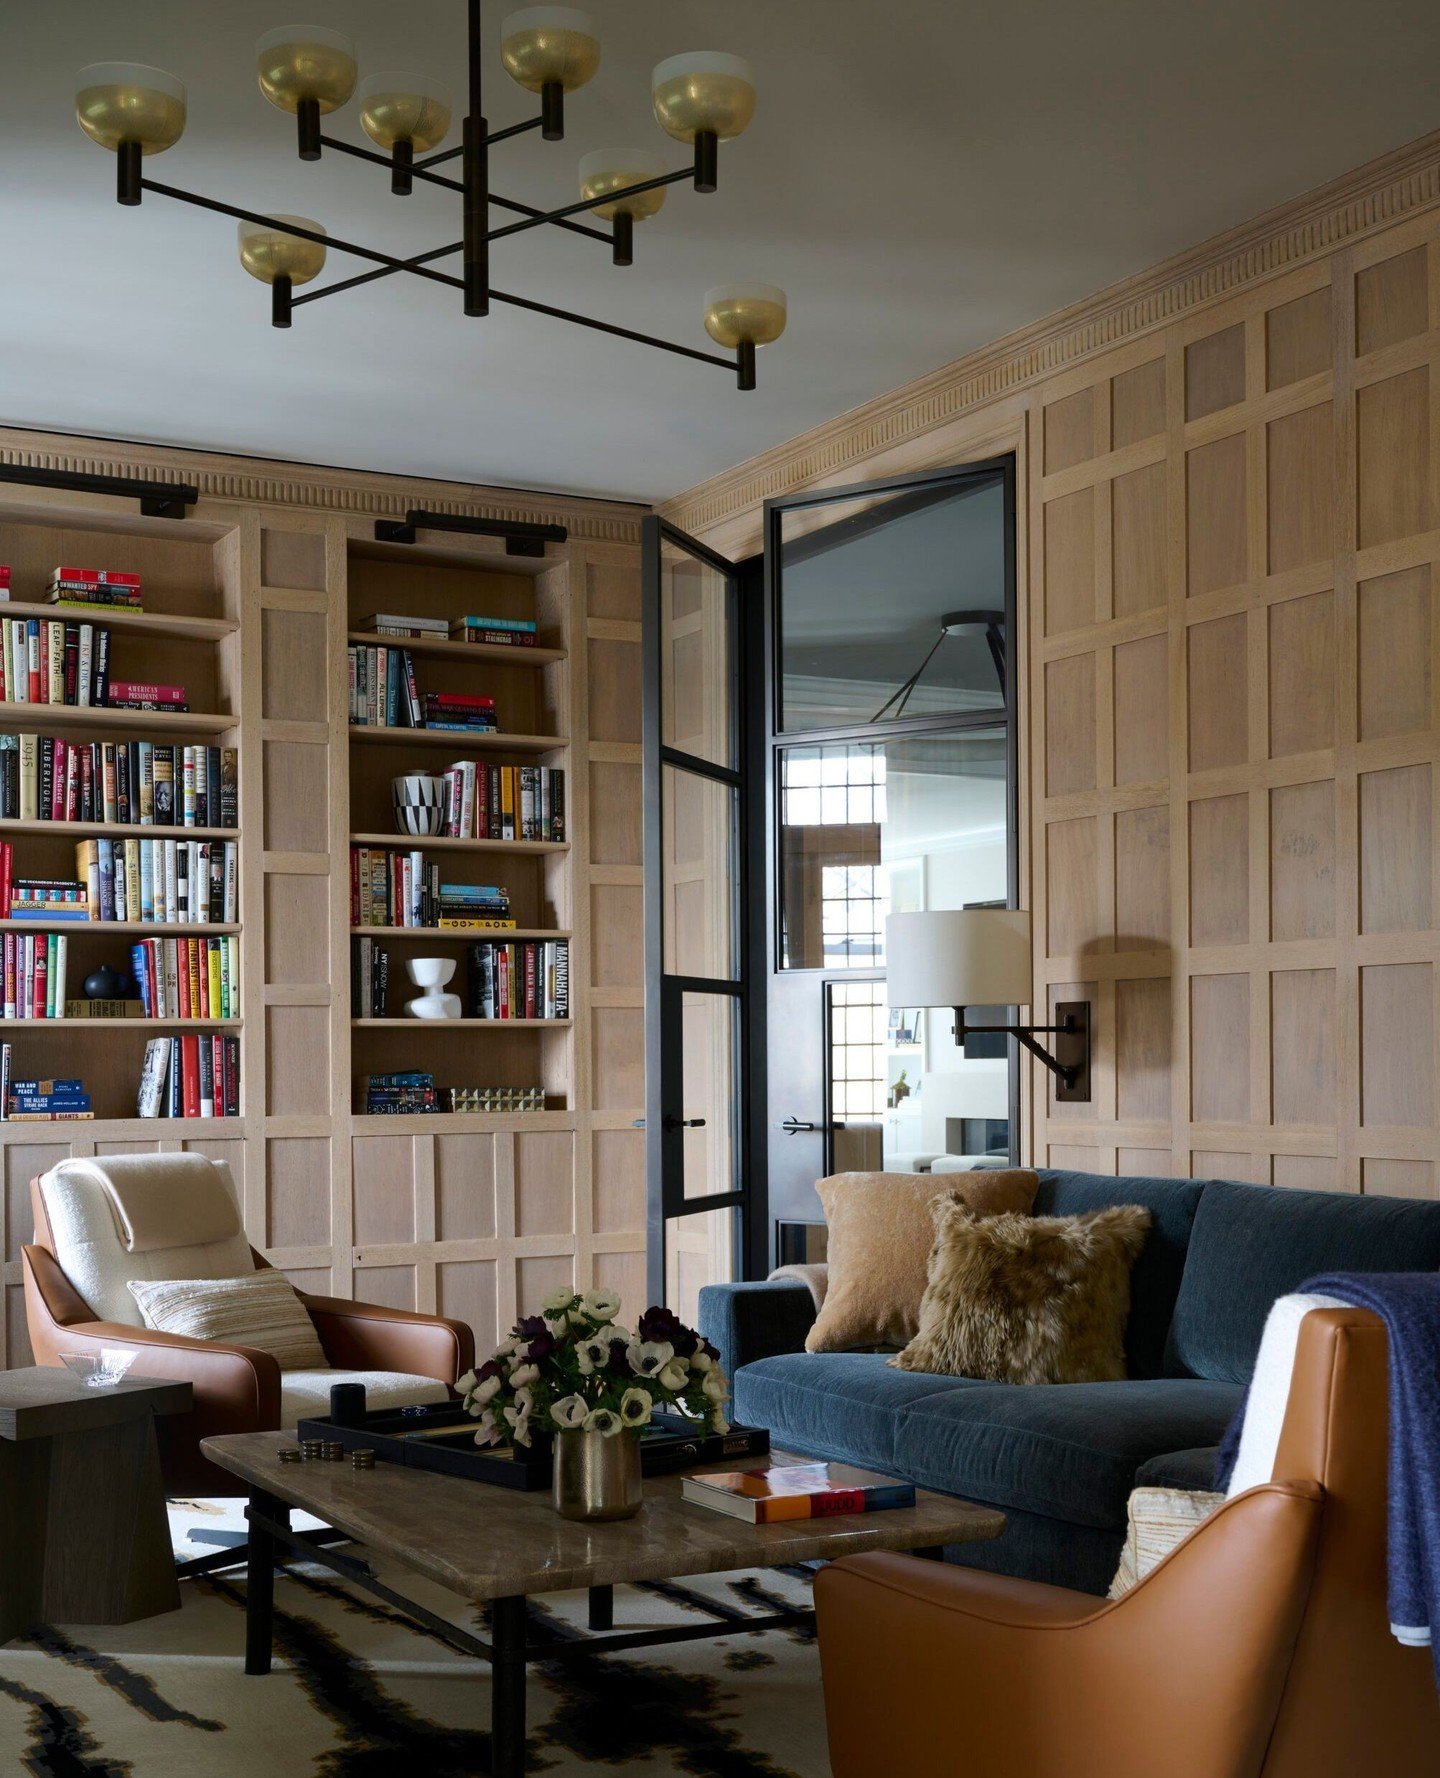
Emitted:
pixel 701 98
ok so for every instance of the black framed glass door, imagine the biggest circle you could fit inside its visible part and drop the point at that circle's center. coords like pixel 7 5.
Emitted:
pixel 698 1028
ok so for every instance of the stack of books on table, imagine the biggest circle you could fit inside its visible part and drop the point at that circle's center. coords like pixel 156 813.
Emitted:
pixel 473 907
pixel 383 693
pixel 389 623
pixel 503 632
pixel 164 882
pixel 133 783
pixel 102 588
pixel 50 661
pixel 459 711
pixel 399 1095
pixel 136 694
pixel 46 899
pixel 369 979
pixel 521 979
pixel 187 978
pixel 488 802
pixel 43 1101
pixel 796 1491
pixel 197 1075
pixel 34 975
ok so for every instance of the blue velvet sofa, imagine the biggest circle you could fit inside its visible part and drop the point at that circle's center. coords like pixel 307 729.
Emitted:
pixel 1060 1461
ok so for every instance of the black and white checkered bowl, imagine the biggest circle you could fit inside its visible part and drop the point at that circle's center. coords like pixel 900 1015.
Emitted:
pixel 419 803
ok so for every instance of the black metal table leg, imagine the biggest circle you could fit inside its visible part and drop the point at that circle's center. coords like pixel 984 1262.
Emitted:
pixel 602 1608
pixel 260 1580
pixel 507 1678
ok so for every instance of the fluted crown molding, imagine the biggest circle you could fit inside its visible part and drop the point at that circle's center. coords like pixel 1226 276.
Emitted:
pixel 1397 185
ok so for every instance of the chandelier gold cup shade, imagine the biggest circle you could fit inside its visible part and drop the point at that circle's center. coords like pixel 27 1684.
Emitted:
pixel 700 98
pixel 281 259
pixel 133 110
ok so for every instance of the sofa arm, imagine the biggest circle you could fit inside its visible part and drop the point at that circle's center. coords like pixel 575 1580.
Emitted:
pixel 749 1321
pixel 371 1337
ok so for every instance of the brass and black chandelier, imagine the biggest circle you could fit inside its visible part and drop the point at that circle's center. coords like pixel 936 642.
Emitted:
pixel 701 99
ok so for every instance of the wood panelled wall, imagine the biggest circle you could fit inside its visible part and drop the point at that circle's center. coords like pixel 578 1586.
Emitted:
pixel 475 1216
pixel 1230 757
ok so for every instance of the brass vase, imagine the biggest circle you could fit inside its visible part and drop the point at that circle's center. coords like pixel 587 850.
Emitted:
pixel 595 1477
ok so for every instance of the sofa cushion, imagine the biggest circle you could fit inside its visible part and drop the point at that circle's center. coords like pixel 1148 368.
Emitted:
pixel 1068 1451
pixel 1155 1279
pixel 841 1405
pixel 1252 1244
pixel 1194 1468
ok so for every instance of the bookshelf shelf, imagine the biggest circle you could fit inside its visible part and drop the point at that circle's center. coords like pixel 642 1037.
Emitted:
pixel 118 1025
pixel 121 1129
pixel 428 1025
pixel 151 623
pixel 125 830
pixel 433 934
pixel 462 1123
pixel 42 718
pixel 434 842
pixel 454 741
pixel 139 928
pixel 490 654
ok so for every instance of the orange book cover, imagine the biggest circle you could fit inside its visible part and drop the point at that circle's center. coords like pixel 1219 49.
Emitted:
pixel 797 1491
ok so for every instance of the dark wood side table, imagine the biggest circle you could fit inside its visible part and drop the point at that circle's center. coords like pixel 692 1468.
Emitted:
pixel 84 1537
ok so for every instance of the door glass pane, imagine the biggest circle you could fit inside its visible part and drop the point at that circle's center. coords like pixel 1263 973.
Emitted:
pixel 697 655
pixel 855 1057
pixel 893 604
pixel 710 1073
pixel 700 856
pixel 699 1250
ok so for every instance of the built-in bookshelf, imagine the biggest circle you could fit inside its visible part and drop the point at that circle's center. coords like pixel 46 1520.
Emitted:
pixel 186 634
pixel 531 688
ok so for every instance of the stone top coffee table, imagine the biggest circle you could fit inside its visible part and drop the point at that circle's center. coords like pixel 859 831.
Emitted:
pixel 499 1545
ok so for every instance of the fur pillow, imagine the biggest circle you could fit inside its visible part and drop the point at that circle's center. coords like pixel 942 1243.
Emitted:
pixel 879 1233
pixel 1021 1299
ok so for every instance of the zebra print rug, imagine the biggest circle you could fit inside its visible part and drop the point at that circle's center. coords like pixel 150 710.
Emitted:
pixel 359 1692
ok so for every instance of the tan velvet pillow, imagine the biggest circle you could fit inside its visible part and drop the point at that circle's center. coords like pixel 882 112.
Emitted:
pixel 880 1233
pixel 1027 1299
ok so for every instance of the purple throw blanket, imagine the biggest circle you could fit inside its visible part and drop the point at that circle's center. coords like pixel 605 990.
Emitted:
pixel 1409 1305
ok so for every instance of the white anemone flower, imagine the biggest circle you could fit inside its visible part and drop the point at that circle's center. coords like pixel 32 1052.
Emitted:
pixel 569 1413
pixel 558 1302
pixel 486 1391
pixel 466 1383
pixel 674 1376
pixel 524 1373
pixel 602 1304
pixel 519 1419
pixel 636 1407
pixel 718 1423
pixel 700 1361
pixel 604 1421
pixel 592 1355
pixel 649 1357
pixel 488 1431
pixel 715 1386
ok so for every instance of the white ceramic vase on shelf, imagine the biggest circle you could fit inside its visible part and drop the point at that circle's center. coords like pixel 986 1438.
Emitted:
pixel 430 975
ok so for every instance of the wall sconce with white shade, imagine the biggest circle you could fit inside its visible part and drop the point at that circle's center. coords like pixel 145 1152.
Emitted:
pixel 981 957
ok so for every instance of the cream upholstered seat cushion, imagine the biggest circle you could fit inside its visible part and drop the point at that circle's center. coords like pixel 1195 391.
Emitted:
pixel 306 1394
pixel 89 1240
pixel 261 1310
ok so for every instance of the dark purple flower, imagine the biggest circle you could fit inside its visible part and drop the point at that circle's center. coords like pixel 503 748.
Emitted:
pixel 659 1324
pixel 711 1352
pixel 531 1327
pixel 684 1341
pixel 490 1368
pixel 541 1346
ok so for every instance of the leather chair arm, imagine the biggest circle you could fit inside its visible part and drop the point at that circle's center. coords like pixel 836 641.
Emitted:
pixel 1183 1675
pixel 237 1388
pixel 372 1337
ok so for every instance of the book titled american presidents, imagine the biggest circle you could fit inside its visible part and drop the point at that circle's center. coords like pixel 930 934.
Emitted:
pixel 796 1491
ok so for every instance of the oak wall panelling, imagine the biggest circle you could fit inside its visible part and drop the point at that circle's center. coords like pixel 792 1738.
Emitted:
pixel 469 1215
pixel 1229 765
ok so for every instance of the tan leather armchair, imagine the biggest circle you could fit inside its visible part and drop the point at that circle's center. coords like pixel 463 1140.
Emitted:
pixel 1260 1648
pixel 402 1357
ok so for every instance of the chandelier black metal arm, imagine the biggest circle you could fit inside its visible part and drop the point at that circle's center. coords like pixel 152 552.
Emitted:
pixel 737 328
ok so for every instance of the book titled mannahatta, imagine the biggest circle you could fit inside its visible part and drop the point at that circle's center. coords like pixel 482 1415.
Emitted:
pixel 796 1491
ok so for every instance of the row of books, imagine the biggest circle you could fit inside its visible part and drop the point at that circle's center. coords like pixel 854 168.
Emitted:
pixel 194 1075
pixel 369 979
pixel 34 969
pixel 521 979
pixel 384 694
pixel 390 888
pixel 500 632
pixel 50 661
pixel 187 978
pixel 131 783
pixel 108 588
pixel 164 882
pixel 488 802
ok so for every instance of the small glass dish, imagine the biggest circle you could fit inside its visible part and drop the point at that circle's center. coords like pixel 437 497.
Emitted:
pixel 100 1370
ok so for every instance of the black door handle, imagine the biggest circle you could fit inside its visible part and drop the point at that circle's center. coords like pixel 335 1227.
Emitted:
pixel 682 1123
pixel 792 1126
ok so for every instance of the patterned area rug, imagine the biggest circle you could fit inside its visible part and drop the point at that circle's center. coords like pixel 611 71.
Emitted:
pixel 358 1692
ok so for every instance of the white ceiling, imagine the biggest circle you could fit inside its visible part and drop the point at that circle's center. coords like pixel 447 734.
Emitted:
pixel 922 176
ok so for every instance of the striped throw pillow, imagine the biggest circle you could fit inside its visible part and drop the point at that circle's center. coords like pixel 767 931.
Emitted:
pixel 260 1310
